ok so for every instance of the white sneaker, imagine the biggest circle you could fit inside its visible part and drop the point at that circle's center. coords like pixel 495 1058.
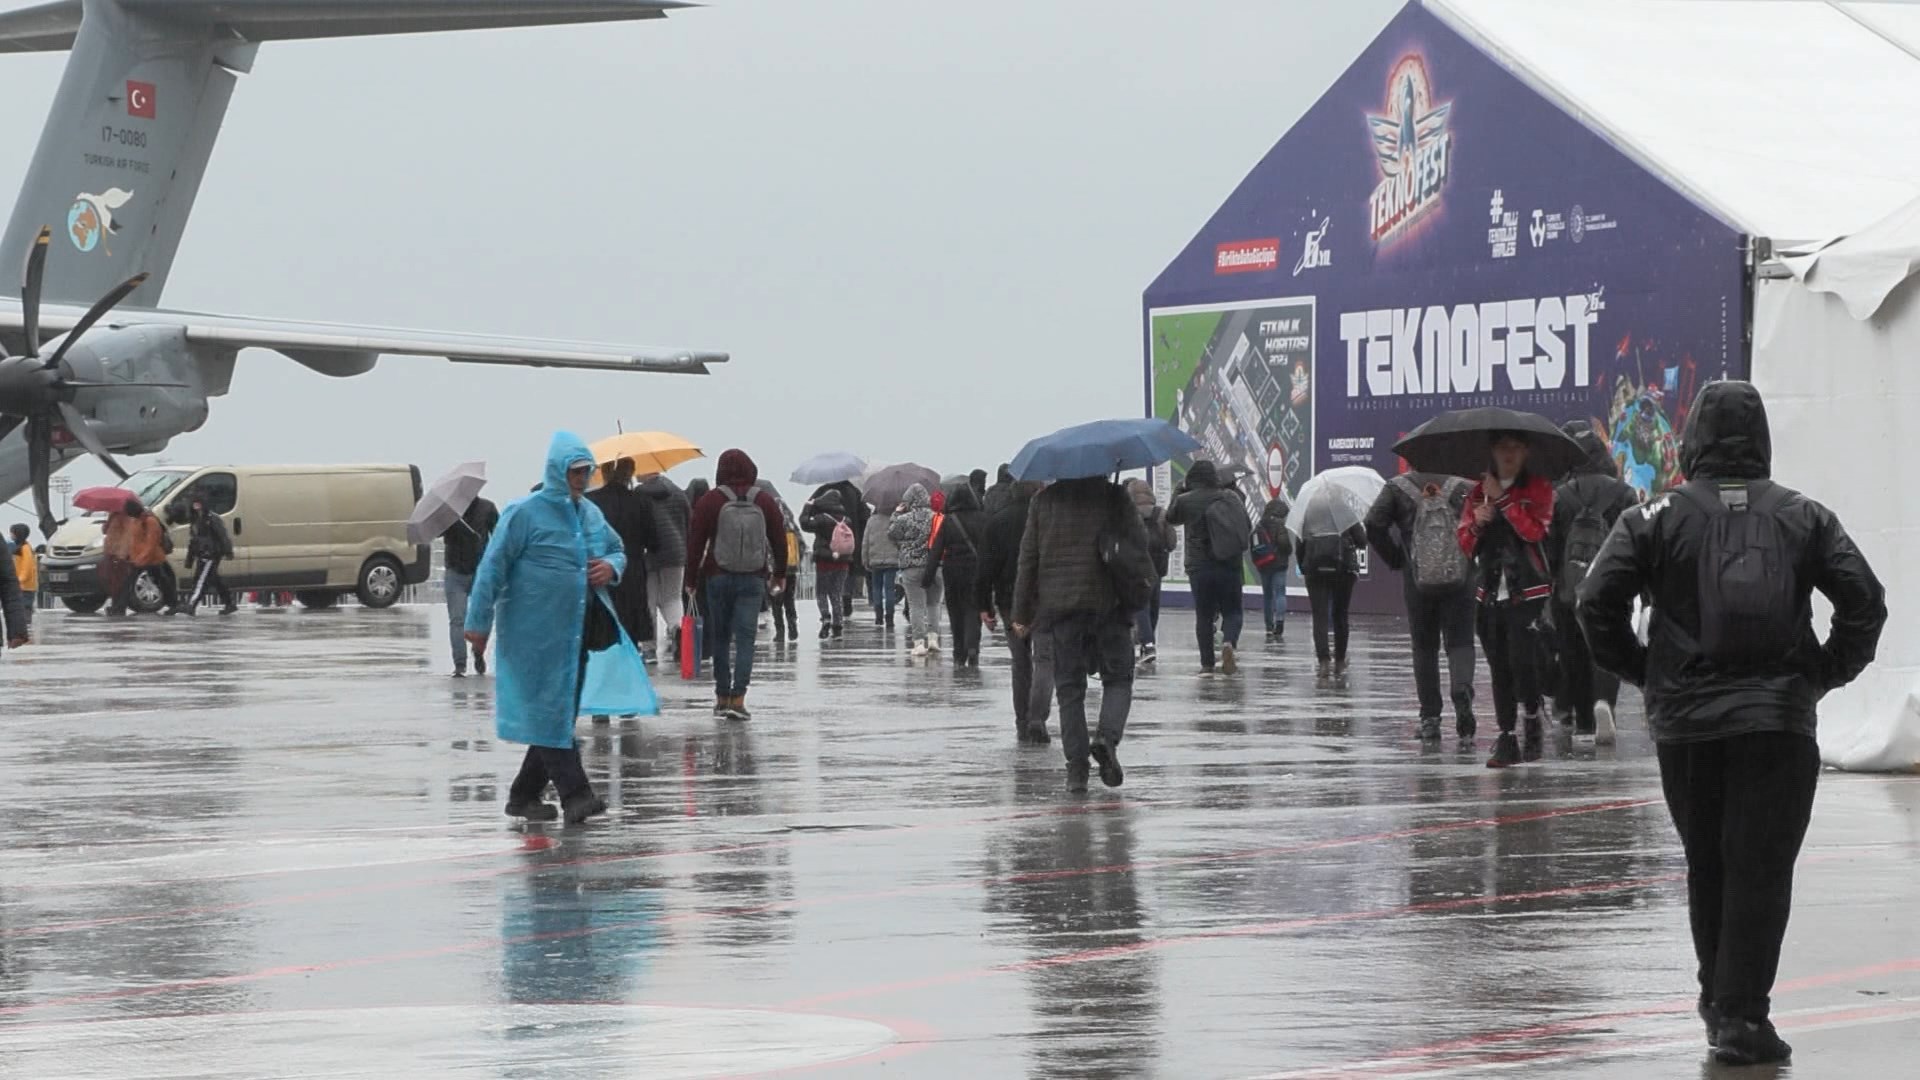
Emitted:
pixel 919 648
pixel 933 642
pixel 1605 732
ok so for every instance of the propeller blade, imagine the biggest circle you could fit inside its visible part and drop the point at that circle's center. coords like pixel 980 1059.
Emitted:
pixel 9 423
pixel 77 423
pixel 40 468
pixel 35 273
pixel 94 314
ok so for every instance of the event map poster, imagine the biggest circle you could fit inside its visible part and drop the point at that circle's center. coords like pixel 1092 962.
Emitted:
pixel 1239 378
pixel 1452 239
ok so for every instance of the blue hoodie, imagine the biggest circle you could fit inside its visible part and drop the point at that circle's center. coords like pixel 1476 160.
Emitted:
pixel 532 584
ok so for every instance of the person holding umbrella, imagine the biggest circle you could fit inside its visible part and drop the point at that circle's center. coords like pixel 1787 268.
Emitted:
pixel 1331 536
pixel 1504 530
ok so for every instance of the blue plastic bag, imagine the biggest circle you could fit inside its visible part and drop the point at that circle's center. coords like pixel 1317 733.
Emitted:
pixel 616 681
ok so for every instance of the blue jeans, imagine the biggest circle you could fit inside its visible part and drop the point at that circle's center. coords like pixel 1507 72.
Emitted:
pixel 733 612
pixel 457 587
pixel 880 590
pixel 1146 621
pixel 1273 584
pixel 1216 596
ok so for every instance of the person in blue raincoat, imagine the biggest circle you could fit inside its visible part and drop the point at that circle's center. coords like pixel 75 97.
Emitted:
pixel 552 554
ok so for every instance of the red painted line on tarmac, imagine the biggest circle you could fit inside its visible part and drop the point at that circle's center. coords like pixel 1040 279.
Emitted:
pixel 323 967
pixel 346 891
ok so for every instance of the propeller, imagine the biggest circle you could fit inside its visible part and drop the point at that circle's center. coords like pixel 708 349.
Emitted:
pixel 39 393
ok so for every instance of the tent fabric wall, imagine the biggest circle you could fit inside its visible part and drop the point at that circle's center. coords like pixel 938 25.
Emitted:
pixel 1841 394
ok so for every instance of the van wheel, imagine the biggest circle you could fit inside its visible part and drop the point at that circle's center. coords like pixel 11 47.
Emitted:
pixel 380 582
pixel 147 597
pixel 84 605
pixel 316 600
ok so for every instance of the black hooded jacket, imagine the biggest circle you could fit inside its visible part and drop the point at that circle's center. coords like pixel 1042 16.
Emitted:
pixel 1189 510
pixel 1000 552
pixel 963 532
pixel 854 503
pixel 1656 549
pixel 1595 485
pixel 819 518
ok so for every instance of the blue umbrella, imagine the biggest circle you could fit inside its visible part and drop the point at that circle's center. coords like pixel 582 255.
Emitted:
pixel 830 468
pixel 1100 448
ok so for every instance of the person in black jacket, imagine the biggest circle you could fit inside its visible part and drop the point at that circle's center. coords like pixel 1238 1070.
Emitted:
pixel 1738 760
pixel 630 515
pixel 1216 578
pixel 208 545
pixel 858 512
pixel 1331 566
pixel 956 557
pixel 1272 536
pixel 994 586
pixel 1593 498
pixel 1437 616
pixel 465 542
pixel 1504 528
pixel 821 517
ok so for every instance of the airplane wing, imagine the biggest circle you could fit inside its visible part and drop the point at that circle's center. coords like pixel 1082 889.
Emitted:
pixel 335 348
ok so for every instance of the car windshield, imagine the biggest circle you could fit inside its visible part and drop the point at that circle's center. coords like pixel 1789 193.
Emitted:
pixel 152 485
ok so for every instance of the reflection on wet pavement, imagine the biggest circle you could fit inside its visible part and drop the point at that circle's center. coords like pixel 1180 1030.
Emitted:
pixel 273 845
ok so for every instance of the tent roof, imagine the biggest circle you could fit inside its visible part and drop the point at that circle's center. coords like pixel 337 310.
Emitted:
pixel 1792 119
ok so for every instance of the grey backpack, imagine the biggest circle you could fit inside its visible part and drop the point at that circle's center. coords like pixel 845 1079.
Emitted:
pixel 740 536
pixel 1438 564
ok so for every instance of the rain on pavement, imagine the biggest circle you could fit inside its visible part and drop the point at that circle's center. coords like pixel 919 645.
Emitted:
pixel 273 846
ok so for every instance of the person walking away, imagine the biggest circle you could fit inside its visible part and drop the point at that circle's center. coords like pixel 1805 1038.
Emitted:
pixel 1585 508
pixel 783 606
pixel 696 490
pixel 15 607
pixel 994 590
pixel 464 543
pixel 550 555
pixel 858 513
pixel 1503 528
pixel 208 545
pixel 881 556
pixel 1272 550
pixel 1001 492
pixel 1414 527
pixel 912 532
pixel 1330 563
pixel 26 566
pixel 977 480
pixel 147 554
pixel 738 538
pixel 956 558
pixel 834 545
pixel 667 512
pixel 1072 600
pixel 1161 539
pixel 1733 674
pixel 1218 534
pixel 627 515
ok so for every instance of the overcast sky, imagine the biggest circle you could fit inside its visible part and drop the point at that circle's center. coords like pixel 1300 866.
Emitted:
pixel 922 228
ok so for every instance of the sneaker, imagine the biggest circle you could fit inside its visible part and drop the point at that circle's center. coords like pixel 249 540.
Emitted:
pixel 720 708
pixel 1465 724
pixel 1077 773
pixel 1583 737
pixel 479 664
pixel 1340 671
pixel 534 811
pixel 583 806
pixel 1506 752
pixel 737 709
pixel 933 643
pixel 1429 729
pixel 825 631
pixel 1229 665
pixel 1205 673
pixel 1605 732
pixel 1109 761
pixel 459 673
pixel 1037 734
pixel 879 619
pixel 1533 744
pixel 839 631
pixel 793 633
pixel 1148 654
pixel 1710 1016
pixel 1748 1042
pixel 1563 715
pixel 1324 671
pixel 890 623
pixel 920 648
pixel 232 608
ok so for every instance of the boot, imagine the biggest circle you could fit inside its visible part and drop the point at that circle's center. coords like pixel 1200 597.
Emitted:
pixel 1506 752
pixel 1324 672
pixel 583 805
pixel 1340 671
pixel 1464 724
pixel 1429 729
pixel 1534 742
pixel 534 811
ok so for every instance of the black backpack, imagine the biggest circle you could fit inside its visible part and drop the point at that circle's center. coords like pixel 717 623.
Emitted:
pixel 1324 554
pixel 1749 596
pixel 1229 533
pixel 1129 564
pixel 1585 537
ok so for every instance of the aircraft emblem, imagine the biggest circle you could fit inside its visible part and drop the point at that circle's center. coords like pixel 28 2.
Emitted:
pixel 90 220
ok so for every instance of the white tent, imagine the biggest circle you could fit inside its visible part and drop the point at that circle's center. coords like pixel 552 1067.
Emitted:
pixel 1791 120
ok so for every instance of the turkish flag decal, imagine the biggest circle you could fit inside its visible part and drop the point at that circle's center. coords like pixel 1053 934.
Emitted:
pixel 140 100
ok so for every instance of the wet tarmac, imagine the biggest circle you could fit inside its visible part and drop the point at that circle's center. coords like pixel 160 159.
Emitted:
pixel 273 846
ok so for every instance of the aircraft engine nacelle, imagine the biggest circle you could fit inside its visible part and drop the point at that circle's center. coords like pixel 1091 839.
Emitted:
pixel 139 416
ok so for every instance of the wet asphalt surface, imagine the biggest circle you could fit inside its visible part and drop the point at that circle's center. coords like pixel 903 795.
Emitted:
pixel 273 846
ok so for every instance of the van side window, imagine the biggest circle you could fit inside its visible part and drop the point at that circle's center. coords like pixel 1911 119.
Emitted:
pixel 220 490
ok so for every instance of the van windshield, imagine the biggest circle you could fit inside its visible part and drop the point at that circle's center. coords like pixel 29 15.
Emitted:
pixel 152 485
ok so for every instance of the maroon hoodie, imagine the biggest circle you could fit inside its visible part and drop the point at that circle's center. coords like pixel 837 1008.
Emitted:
pixel 738 473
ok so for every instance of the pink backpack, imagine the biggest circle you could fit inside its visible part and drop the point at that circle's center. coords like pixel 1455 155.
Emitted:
pixel 843 544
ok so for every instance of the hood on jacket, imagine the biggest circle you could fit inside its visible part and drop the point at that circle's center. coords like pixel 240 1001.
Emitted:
pixel 736 470
pixel 563 453
pixel 697 488
pixel 1142 495
pixel 1599 456
pixel 658 486
pixel 1004 476
pixel 1727 435
pixel 918 499
pixel 961 498
pixel 1203 474
pixel 938 501
pixel 831 503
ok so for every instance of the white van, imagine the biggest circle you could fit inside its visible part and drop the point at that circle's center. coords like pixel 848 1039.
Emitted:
pixel 318 531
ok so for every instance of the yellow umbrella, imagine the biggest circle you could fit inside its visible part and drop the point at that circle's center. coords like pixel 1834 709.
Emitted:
pixel 651 451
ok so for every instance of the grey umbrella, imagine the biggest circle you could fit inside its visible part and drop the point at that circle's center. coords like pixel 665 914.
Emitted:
pixel 887 487
pixel 445 502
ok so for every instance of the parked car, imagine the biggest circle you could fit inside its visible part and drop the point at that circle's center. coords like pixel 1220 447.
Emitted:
pixel 319 531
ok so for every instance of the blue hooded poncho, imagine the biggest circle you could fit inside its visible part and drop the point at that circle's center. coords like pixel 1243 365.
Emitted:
pixel 532 582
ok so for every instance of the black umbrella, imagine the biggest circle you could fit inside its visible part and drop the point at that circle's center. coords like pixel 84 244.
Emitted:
pixel 1460 443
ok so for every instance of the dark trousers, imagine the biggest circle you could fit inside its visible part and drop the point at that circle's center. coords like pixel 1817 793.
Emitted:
pixel 1032 685
pixel 962 618
pixel 786 611
pixel 544 763
pixel 1434 619
pixel 1074 648
pixel 1330 594
pixel 206 581
pixel 1508 634
pixel 1741 805
pixel 1585 684
pixel 1216 596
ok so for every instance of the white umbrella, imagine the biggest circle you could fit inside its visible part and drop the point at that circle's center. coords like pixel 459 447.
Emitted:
pixel 446 502
pixel 1334 501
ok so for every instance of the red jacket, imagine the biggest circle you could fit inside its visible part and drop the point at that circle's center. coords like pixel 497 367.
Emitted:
pixel 736 473
pixel 1513 543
